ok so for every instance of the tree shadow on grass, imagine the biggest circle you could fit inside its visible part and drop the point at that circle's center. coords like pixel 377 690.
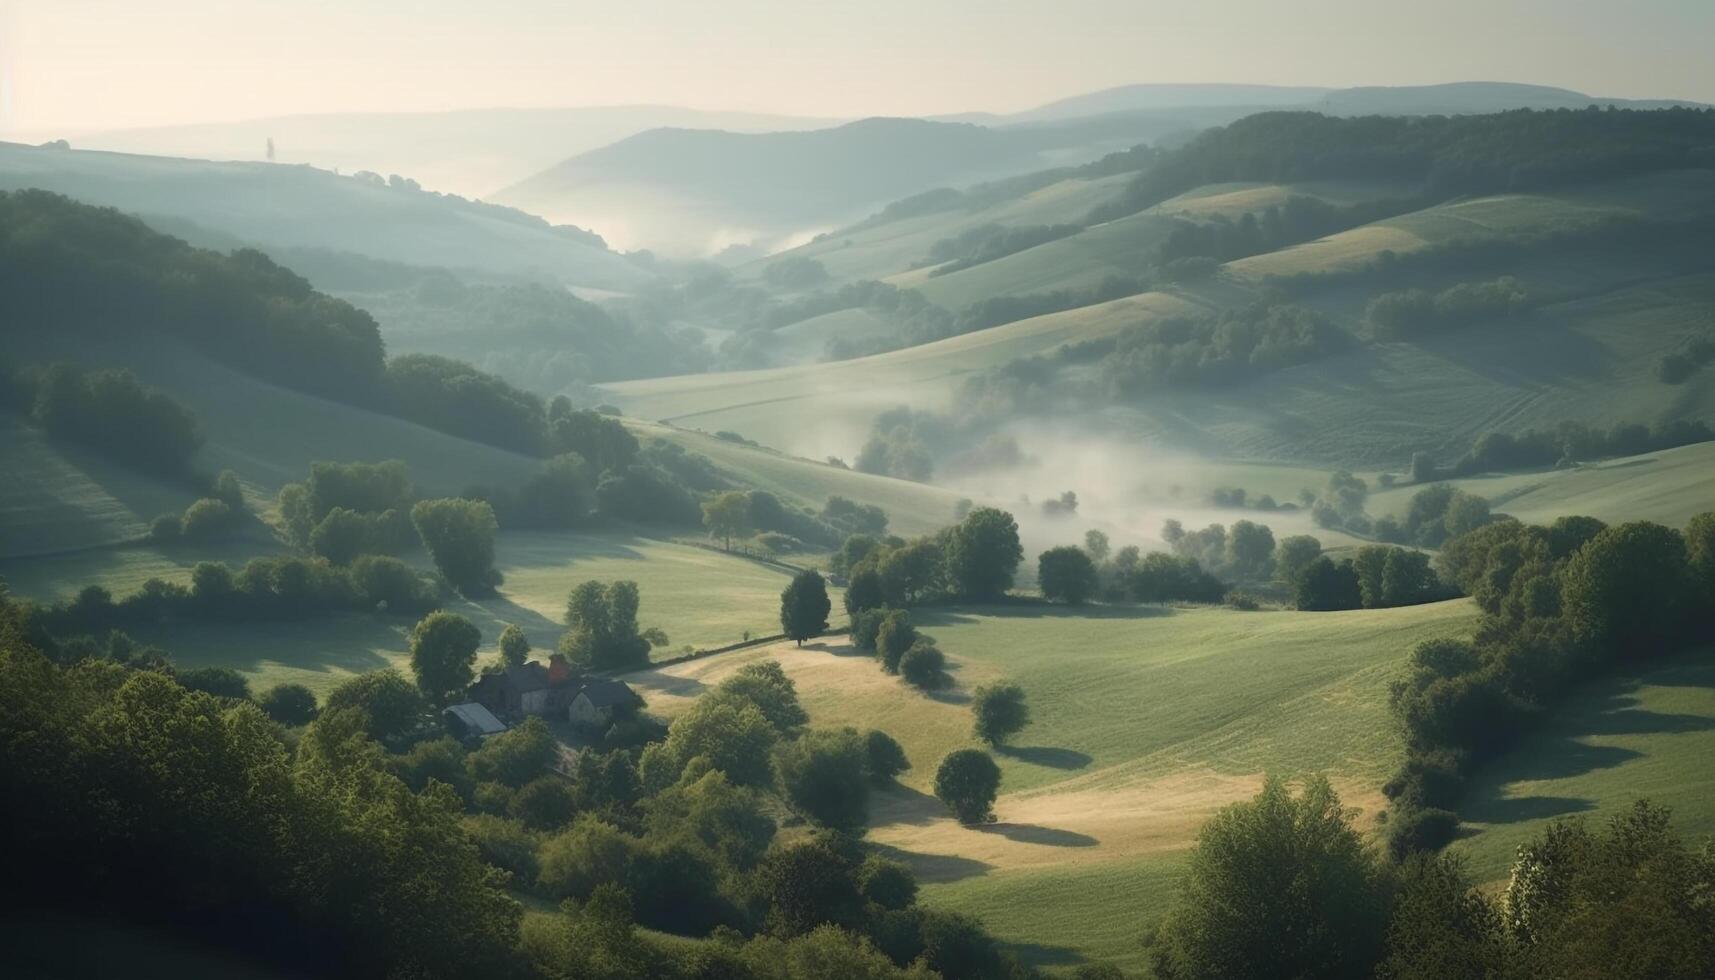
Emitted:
pixel 900 804
pixel 932 616
pixel 1043 755
pixel 940 868
pixel 1042 954
pixel 1519 809
pixel 1029 833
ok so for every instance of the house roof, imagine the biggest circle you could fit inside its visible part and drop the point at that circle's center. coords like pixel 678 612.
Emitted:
pixel 476 718
pixel 604 693
pixel 525 678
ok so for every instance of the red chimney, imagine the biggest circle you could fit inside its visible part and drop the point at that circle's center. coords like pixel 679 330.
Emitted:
pixel 559 671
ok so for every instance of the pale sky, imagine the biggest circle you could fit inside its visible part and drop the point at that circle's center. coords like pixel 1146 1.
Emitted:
pixel 74 65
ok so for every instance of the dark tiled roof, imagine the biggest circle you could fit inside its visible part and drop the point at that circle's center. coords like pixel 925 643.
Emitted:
pixel 529 677
pixel 607 694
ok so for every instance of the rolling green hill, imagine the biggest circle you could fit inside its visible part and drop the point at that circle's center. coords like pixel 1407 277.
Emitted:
pixel 299 206
pixel 1144 721
pixel 1588 354
pixel 1667 487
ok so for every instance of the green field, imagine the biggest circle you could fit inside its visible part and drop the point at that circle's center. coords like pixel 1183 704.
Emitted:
pixel 1617 740
pixel 1668 487
pixel 700 597
pixel 1589 353
pixel 884 249
pixel 912 508
pixel 1145 720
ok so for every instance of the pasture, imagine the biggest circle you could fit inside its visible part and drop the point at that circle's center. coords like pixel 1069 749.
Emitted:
pixel 1145 720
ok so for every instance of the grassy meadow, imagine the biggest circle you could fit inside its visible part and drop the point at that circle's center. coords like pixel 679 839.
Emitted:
pixel 1145 720
pixel 1621 738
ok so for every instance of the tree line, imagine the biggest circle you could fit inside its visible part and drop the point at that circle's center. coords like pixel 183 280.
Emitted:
pixel 1560 604
pixel 1444 156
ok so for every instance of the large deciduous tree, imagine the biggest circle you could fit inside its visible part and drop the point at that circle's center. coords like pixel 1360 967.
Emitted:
pixel 983 553
pixel 443 653
pixel 804 606
pixel 968 781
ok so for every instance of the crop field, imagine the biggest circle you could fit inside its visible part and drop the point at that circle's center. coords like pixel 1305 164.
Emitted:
pixel 1145 720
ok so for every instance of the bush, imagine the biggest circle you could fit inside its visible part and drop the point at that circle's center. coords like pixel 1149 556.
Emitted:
pixel 925 666
pixel 893 638
pixel 967 781
pixel 866 627
pixel 998 712
pixel 288 704
pixel 886 759
pixel 1413 831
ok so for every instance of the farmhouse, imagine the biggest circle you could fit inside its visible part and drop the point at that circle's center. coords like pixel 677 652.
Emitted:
pixel 521 690
pixel 600 701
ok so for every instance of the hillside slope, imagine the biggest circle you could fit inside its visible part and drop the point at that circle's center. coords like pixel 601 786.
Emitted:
pixel 1589 353
pixel 299 206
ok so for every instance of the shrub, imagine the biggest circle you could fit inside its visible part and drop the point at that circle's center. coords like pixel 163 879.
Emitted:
pixel 893 638
pixel 998 712
pixel 924 666
pixel 544 803
pixel 886 759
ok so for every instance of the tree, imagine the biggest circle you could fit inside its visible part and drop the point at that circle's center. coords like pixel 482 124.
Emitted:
pixel 806 884
pixel 824 775
pixel 983 553
pixel 886 759
pixel 1324 585
pixel 545 803
pixel 516 756
pixel 222 682
pixel 895 636
pixel 601 627
pixel 1066 574
pixel 1292 556
pixel 390 703
pixel 460 537
pixel 998 712
pixel 804 606
pixel 866 626
pixel 864 592
pixel 727 515
pixel 1096 543
pixel 514 646
pixel 1441 927
pixel 1230 920
pixel 925 666
pixel 443 653
pixel 968 782
pixel 288 704
pixel 1626 589
pixel 1250 549
pixel 731 733
pixel 765 685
